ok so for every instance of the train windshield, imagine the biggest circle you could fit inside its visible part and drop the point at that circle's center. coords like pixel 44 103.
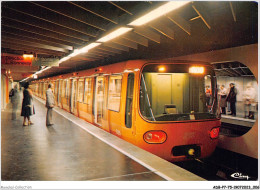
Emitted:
pixel 177 92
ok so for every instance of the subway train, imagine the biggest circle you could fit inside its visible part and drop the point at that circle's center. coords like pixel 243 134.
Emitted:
pixel 159 106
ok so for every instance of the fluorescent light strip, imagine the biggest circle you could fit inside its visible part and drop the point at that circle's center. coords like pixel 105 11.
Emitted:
pixel 64 59
pixel 75 53
pixel 24 79
pixel 162 10
pixel 40 71
pixel 79 51
pixel 27 55
pixel 88 47
pixel 115 34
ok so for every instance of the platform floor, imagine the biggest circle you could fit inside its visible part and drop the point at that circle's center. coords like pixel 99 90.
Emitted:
pixel 61 152
pixel 68 151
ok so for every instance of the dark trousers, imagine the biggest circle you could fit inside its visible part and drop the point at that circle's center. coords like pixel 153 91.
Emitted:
pixel 223 109
pixel 233 108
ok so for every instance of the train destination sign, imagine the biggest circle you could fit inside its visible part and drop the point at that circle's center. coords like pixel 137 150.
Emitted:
pixel 41 61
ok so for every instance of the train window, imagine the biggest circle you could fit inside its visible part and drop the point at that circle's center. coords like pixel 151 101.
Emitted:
pixel 67 90
pixel 183 94
pixel 87 93
pixel 63 92
pixel 56 88
pixel 45 88
pixel 81 90
pixel 99 100
pixel 129 100
pixel 114 92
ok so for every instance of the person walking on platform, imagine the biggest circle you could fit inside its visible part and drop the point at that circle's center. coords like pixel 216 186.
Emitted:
pixel 232 98
pixel 222 99
pixel 15 99
pixel 49 105
pixel 27 105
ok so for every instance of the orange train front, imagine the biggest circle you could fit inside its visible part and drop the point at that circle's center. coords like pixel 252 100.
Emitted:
pixel 159 106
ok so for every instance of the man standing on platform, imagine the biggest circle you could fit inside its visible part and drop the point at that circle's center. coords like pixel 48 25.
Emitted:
pixel 49 105
pixel 232 98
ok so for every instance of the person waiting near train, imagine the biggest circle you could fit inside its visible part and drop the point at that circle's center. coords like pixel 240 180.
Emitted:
pixel 27 105
pixel 49 105
pixel 222 99
pixel 249 99
pixel 208 95
pixel 15 99
pixel 232 98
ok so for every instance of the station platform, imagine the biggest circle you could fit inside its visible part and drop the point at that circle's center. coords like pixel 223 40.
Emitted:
pixel 235 126
pixel 239 119
pixel 74 150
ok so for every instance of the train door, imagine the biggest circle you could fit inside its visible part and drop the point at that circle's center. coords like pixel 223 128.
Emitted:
pixel 66 104
pixel 58 92
pixel 62 92
pixel 129 129
pixel 99 100
pixel 74 94
pixel 45 88
pixel 70 89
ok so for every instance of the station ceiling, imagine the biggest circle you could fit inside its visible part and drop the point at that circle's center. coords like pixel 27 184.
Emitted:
pixel 54 29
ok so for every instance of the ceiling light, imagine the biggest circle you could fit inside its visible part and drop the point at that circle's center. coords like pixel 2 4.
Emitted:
pixel 162 10
pixel 88 47
pixel 46 68
pixel 27 55
pixel 115 34
pixel 76 52
pixel 64 59
pixel 24 79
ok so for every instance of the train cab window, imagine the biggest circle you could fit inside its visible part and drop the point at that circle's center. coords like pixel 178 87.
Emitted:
pixel 177 92
pixel 129 100
pixel 87 93
pixel 114 92
pixel 81 90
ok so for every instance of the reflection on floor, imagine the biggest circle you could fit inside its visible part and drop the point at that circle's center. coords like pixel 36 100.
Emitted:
pixel 61 152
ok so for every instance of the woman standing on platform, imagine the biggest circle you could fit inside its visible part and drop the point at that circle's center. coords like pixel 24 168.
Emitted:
pixel 27 105
pixel 223 96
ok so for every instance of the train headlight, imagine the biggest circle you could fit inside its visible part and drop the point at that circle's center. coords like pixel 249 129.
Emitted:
pixel 155 137
pixel 214 133
pixel 161 69
pixel 191 152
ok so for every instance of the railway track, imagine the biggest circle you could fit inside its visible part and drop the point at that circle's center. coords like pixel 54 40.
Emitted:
pixel 223 165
